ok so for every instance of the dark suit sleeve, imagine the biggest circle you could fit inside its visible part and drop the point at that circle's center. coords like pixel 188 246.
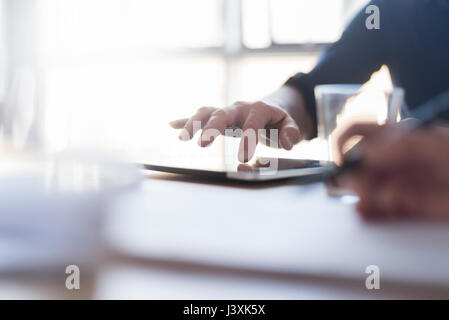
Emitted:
pixel 352 59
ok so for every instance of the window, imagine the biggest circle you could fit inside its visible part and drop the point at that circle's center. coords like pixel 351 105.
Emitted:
pixel 119 64
pixel 93 26
pixel 114 72
pixel 281 22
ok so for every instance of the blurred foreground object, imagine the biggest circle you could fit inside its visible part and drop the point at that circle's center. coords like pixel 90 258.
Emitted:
pixel 51 208
pixel 405 177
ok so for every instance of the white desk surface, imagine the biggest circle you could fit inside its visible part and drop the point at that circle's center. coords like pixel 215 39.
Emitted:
pixel 177 238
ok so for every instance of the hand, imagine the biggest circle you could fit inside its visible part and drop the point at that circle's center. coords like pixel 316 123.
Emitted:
pixel 251 118
pixel 403 175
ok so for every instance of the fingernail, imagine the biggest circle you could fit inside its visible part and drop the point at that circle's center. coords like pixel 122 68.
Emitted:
pixel 289 145
pixel 184 135
pixel 241 157
pixel 204 143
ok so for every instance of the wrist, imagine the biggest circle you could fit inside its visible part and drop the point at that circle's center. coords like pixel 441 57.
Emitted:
pixel 292 101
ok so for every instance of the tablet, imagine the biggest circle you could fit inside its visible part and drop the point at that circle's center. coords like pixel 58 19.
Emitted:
pixel 262 169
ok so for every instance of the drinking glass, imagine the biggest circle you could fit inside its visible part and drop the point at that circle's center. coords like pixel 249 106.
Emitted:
pixel 341 105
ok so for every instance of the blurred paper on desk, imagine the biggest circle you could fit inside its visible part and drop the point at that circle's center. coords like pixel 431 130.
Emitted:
pixel 51 208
